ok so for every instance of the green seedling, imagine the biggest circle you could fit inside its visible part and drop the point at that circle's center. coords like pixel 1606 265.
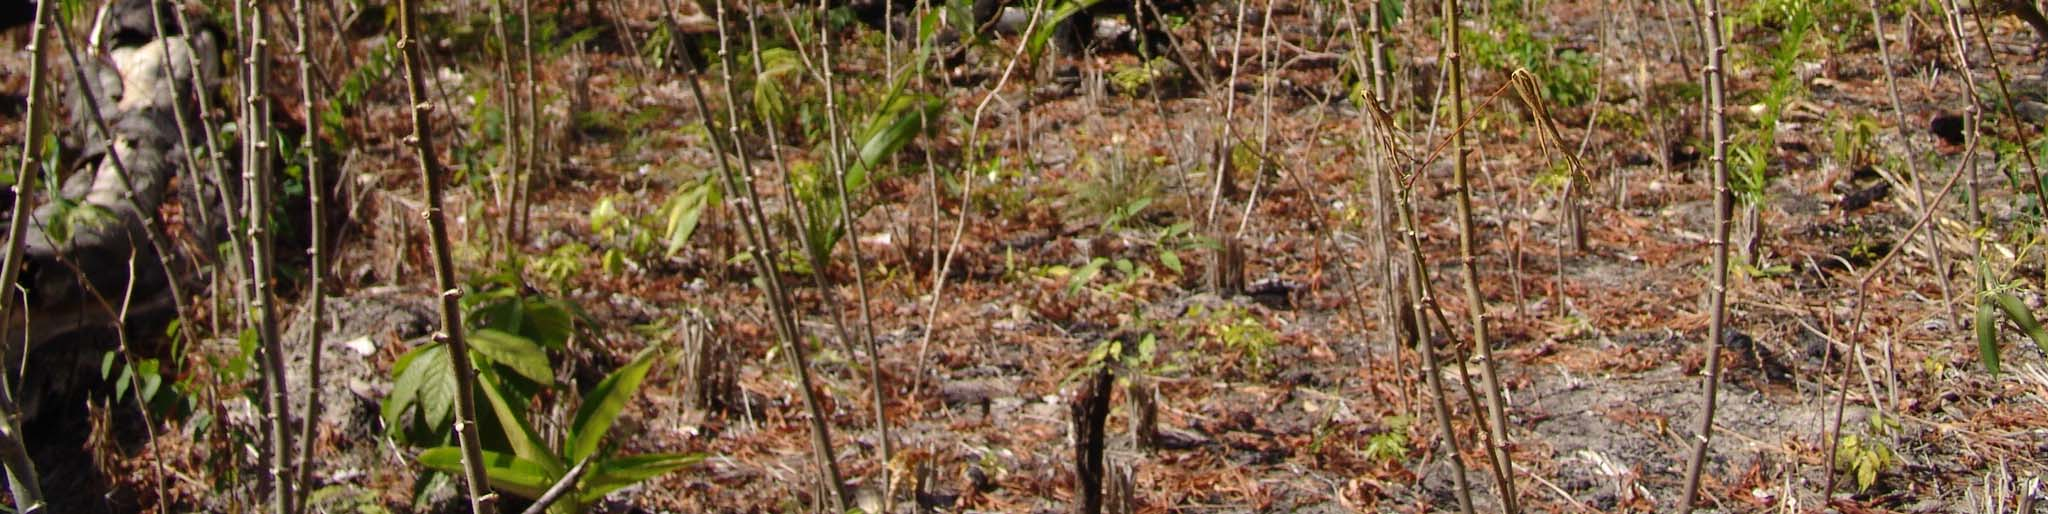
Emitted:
pixel 530 467
pixel 1989 305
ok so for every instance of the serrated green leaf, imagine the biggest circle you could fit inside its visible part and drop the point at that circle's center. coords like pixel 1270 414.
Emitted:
pixel 601 408
pixel 520 354
pixel 424 380
pixel 510 474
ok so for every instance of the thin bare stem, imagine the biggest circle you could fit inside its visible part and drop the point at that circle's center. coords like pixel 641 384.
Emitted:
pixel 231 217
pixel 1496 409
pixel 508 98
pixel 974 154
pixel 1935 248
pixel 1716 86
pixel 1222 157
pixel 840 141
pixel 523 195
pixel 561 488
pixel 256 179
pixel 22 481
pixel 754 221
pixel 481 500
pixel 317 265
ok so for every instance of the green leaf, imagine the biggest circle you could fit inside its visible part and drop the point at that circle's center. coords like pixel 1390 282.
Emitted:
pixel 616 474
pixel 520 354
pixel 1171 260
pixel 684 211
pixel 525 443
pixel 423 379
pixel 1987 335
pixel 594 418
pixel 900 122
pixel 2020 315
pixel 1085 275
pixel 548 322
pixel 1866 472
pixel 497 311
pixel 513 475
pixel 152 380
pixel 121 384
pixel 1036 44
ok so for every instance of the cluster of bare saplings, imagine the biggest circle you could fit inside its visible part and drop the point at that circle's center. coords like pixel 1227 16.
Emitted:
pixel 183 206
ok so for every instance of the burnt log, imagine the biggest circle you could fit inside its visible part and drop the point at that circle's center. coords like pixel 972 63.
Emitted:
pixel 87 257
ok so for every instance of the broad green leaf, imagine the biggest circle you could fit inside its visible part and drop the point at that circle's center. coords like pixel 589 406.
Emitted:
pixel 1036 44
pixel 437 392
pixel 526 444
pixel 601 407
pixel 1171 260
pixel 152 380
pixel 520 354
pixel 685 210
pixel 548 322
pixel 899 123
pixel 423 379
pixel 616 474
pixel 513 475
pixel 499 313
pixel 1987 336
pixel 121 384
pixel 1866 472
pixel 2024 317
pixel 1085 275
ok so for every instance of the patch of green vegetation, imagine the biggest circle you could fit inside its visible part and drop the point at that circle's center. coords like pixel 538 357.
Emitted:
pixel 1141 356
pixel 1832 16
pixel 1853 142
pixel 1117 192
pixel 1391 445
pixel 1866 457
pixel 1752 150
pixel 1153 75
pixel 510 338
pixel 346 499
pixel 1239 332
pixel 526 466
pixel 663 233
pixel 1570 78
